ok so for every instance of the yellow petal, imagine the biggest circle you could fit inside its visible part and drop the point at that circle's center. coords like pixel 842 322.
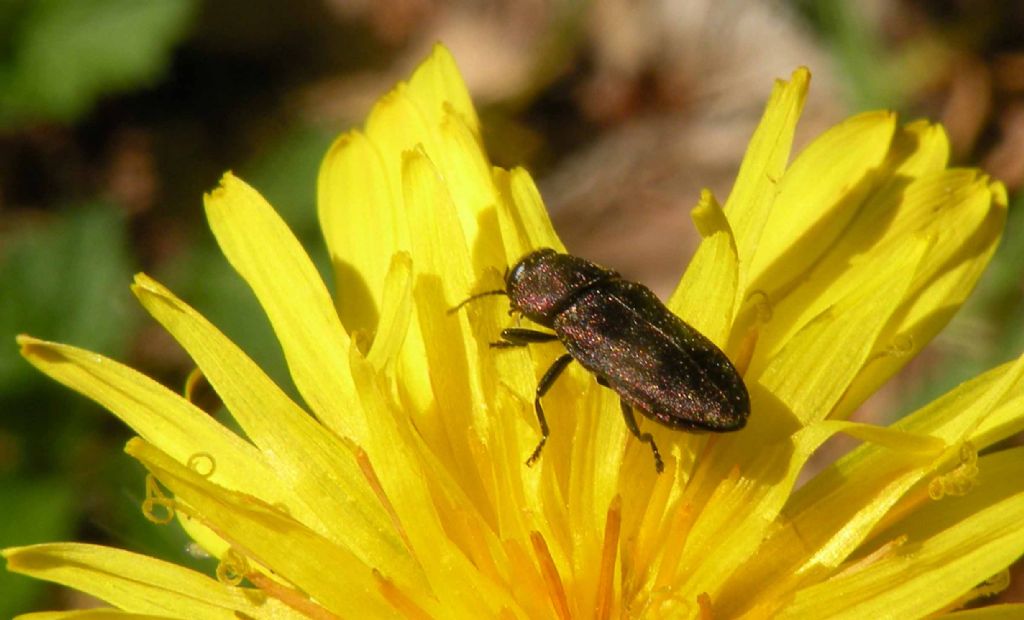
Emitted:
pixel 438 88
pixel 937 569
pixel 157 414
pixel 324 475
pixel 998 479
pixel 393 450
pixel 991 612
pixel 956 211
pixel 1005 421
pixel 918 148
pixel 784 546
pixel 444 273
pixel 362 224
pixel 830 516
pixel 741 512
pixel 525 210
pixel 396 312
pixel 256 528
pixel 827 499
pixel 397 124
pixel 957 416
pixel 750 201
pixel 815 200
pixel 433 112
pixel 814 367
pixel 943 283
pixel 467 174
pixel 412 114
pixel 139 583
pixel 947 207
pixel 400 122
pixel 260 247
pixel 706 295
pixel 89 614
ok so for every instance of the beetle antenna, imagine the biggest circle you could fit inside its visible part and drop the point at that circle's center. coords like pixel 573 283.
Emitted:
pixel 475 297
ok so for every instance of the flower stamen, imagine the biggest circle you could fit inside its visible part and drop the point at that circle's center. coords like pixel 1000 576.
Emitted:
pixel 290 597
pixel 394 595
pixel 887 550
pixel 704 605
pixel 900 346
pixel 961 479
pixel 199 392
pixel 197 461
pixel 467 532
pixel 648 534
pixel 232 568
pixel 605 587
pixel 552 581
pixel 682 522
pixel 157 499
pixel 759 305
pixel 366 467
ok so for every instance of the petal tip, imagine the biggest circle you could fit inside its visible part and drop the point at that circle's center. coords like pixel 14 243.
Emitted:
pixel 797 84
pixel 440 53
pixel 228 182
pixel 343 141
pixel 28 344
pixel 800 75
pixel 708 216
pixel 999 196
pixel 134 446
pixel 143 285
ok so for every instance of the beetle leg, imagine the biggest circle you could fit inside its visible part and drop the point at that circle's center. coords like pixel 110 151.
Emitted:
pixel 519 337
pixel 627 414
pixel 542 388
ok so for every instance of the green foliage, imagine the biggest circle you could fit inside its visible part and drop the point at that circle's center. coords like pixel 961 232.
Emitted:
pixel 66 281
pixel 62 279
pixel 61 56
pixel 44 509
pixel 286 174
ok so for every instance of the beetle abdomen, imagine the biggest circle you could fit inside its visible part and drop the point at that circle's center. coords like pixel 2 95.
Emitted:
pixel 621 331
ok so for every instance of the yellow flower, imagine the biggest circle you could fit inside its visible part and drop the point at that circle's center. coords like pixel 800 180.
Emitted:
pixel 407 493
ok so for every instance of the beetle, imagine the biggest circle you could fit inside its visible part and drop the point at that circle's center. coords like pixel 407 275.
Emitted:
pixel 622 333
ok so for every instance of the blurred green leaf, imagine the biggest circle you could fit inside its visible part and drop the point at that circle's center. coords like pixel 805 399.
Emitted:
pixel 60 56
pixel 35 511
pixel 286 175
pixel 65 280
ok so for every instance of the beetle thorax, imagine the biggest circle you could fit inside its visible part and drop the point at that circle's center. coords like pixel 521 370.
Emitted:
pixel 544 282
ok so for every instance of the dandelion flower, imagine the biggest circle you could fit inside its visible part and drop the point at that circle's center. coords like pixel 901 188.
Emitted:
pixel 397 487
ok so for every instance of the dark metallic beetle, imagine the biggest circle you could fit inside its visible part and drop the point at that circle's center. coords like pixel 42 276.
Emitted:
pixel 620 331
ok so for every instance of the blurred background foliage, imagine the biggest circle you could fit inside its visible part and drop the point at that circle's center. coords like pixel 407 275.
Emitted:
pixel 116 116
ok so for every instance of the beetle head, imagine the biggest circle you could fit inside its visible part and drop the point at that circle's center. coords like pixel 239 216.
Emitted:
pixel 543 282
